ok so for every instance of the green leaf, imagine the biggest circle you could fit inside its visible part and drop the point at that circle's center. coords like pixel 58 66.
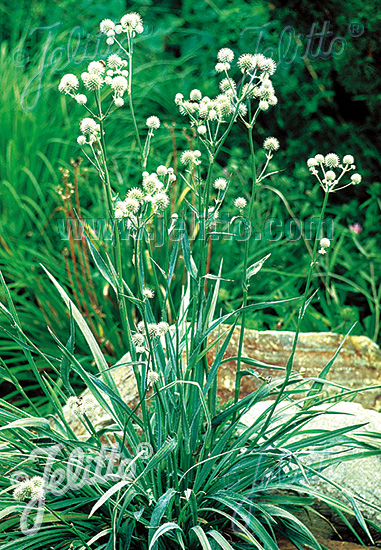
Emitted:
pixel 170 526
pixel 254 268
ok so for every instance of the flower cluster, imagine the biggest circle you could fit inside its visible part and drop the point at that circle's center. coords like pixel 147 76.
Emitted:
pixel 154 191
pixel 80 406
pixel 131 24
pixel 32 489
pixel 112 73
pixel 329 179
pixel 207 114
pixel 90 132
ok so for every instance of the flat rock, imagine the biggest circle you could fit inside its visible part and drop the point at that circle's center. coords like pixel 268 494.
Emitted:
pixel 358 364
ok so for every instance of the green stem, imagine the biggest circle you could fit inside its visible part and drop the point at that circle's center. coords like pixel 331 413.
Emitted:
pixel 245 286
pixel 117 250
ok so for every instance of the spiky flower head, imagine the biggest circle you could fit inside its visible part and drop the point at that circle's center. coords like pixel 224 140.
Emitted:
pixel 246 62
pixel 331 160
pixel 114 61
pixel 96 67
pixel 119 102
pixel 240 203
pixel 153 122
pixel 356 178
pixel 195 95
pixel 131 206
pixel 220 184
pixel 151 183
pixel 160 201
pixel 202 130
pixel 31 489
pixel 348 159
pixel 92 81
pixel 106 25
pixel 319 158
pixel 152 378
pixel 162 328
pixel 119 84
pixel 267 65
pixel 190 157
pixel 132 22
pixel 136 194
pixel 263 105
pixel 221 67
pixel 89 126
pixel 271 144
pixel 69 83
pixel 138 339
pixel 148 293
pixel 225 55
pixel 227 84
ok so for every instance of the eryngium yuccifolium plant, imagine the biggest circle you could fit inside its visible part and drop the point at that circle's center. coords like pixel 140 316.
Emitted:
pixel 147 457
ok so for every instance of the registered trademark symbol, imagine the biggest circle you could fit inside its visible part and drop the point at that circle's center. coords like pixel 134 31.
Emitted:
pixel 355 29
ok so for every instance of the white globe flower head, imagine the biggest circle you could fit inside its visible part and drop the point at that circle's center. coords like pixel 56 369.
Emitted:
pixel 88 126
pixel 160 201
pixel 106 25
pixel 92 81
pixel 148 293
pixel 240 203
pixel 263 105
pixel 30 490
pixel 162 328
pixel 69 83
pixel 110 34
pixel 152 378
pixel 271 144
pixel 108 80
pixel 132 22
pixel 312 162
pixel 268 66
pixel 356 178
pixel 97 67
pixel 348 159
pixel 225 55
pixel 136 194
pixel 220 184
pixel 227 84
pixel 119 84
pixel 81 99
pixel 202 130
pixel 153 122
pixel 114 61
pixel 119 102
pixel 178 98
pixel 330 175
pixel 195 95
pixel 118 29
pixel 331 160
pixel 138 339
pixel 272 100
pixel 81 140
pixel 161 170
pixel 110 41
pixel 319 159
pixel 131 206
pixel 246 62
pixel 324 245
pixel 221 67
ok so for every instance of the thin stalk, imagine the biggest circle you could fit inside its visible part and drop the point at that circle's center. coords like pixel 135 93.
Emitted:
pixel 245 286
